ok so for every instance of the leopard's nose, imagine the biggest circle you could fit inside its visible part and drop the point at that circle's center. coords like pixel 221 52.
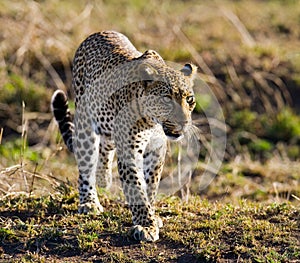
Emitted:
pixel 183 123
pixel 181 126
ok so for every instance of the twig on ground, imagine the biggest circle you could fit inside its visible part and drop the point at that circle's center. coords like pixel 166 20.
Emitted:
pixel 50 69
pixel 1 134
pixel 246 37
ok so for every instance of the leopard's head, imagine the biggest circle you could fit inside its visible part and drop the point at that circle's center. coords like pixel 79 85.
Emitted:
pixel 170 99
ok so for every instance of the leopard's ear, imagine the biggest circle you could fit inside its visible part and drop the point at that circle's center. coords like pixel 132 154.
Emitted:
pixel 147 72
pixel 189 70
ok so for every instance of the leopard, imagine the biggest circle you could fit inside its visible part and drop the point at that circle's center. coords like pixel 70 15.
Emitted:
pixel 128 104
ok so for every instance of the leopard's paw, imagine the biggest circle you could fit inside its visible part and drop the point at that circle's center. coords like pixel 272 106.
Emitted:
pixel 148 234
pixel 159 222
pixel 90 208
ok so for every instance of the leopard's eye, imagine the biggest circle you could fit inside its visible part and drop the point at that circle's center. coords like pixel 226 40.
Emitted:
pixel 166 98
pixel 190 99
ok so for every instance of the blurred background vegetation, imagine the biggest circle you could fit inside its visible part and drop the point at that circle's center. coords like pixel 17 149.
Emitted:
pixel 247 52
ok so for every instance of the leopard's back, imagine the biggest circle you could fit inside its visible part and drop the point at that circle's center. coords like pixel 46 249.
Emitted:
pixel 99 52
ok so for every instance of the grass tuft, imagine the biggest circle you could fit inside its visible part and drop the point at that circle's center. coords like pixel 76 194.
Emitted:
pixel 211 232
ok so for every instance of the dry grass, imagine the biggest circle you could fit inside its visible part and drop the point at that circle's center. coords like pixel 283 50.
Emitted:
pixel 241 58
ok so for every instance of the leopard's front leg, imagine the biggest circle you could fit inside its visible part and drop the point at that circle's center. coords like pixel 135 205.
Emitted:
pixel 145 225
pixel 154 158
pixel 131 145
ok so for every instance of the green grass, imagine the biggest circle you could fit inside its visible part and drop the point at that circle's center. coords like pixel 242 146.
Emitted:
pixel 40 228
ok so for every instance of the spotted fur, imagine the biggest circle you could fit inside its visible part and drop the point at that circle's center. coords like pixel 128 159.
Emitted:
pixel 129 102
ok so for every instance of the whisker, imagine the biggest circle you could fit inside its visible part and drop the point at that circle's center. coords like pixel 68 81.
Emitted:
pixel 193 132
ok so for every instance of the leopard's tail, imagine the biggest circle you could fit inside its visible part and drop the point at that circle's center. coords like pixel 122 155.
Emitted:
pixel 61 112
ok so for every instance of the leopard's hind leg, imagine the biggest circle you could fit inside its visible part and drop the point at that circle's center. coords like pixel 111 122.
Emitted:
pixel 86 150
